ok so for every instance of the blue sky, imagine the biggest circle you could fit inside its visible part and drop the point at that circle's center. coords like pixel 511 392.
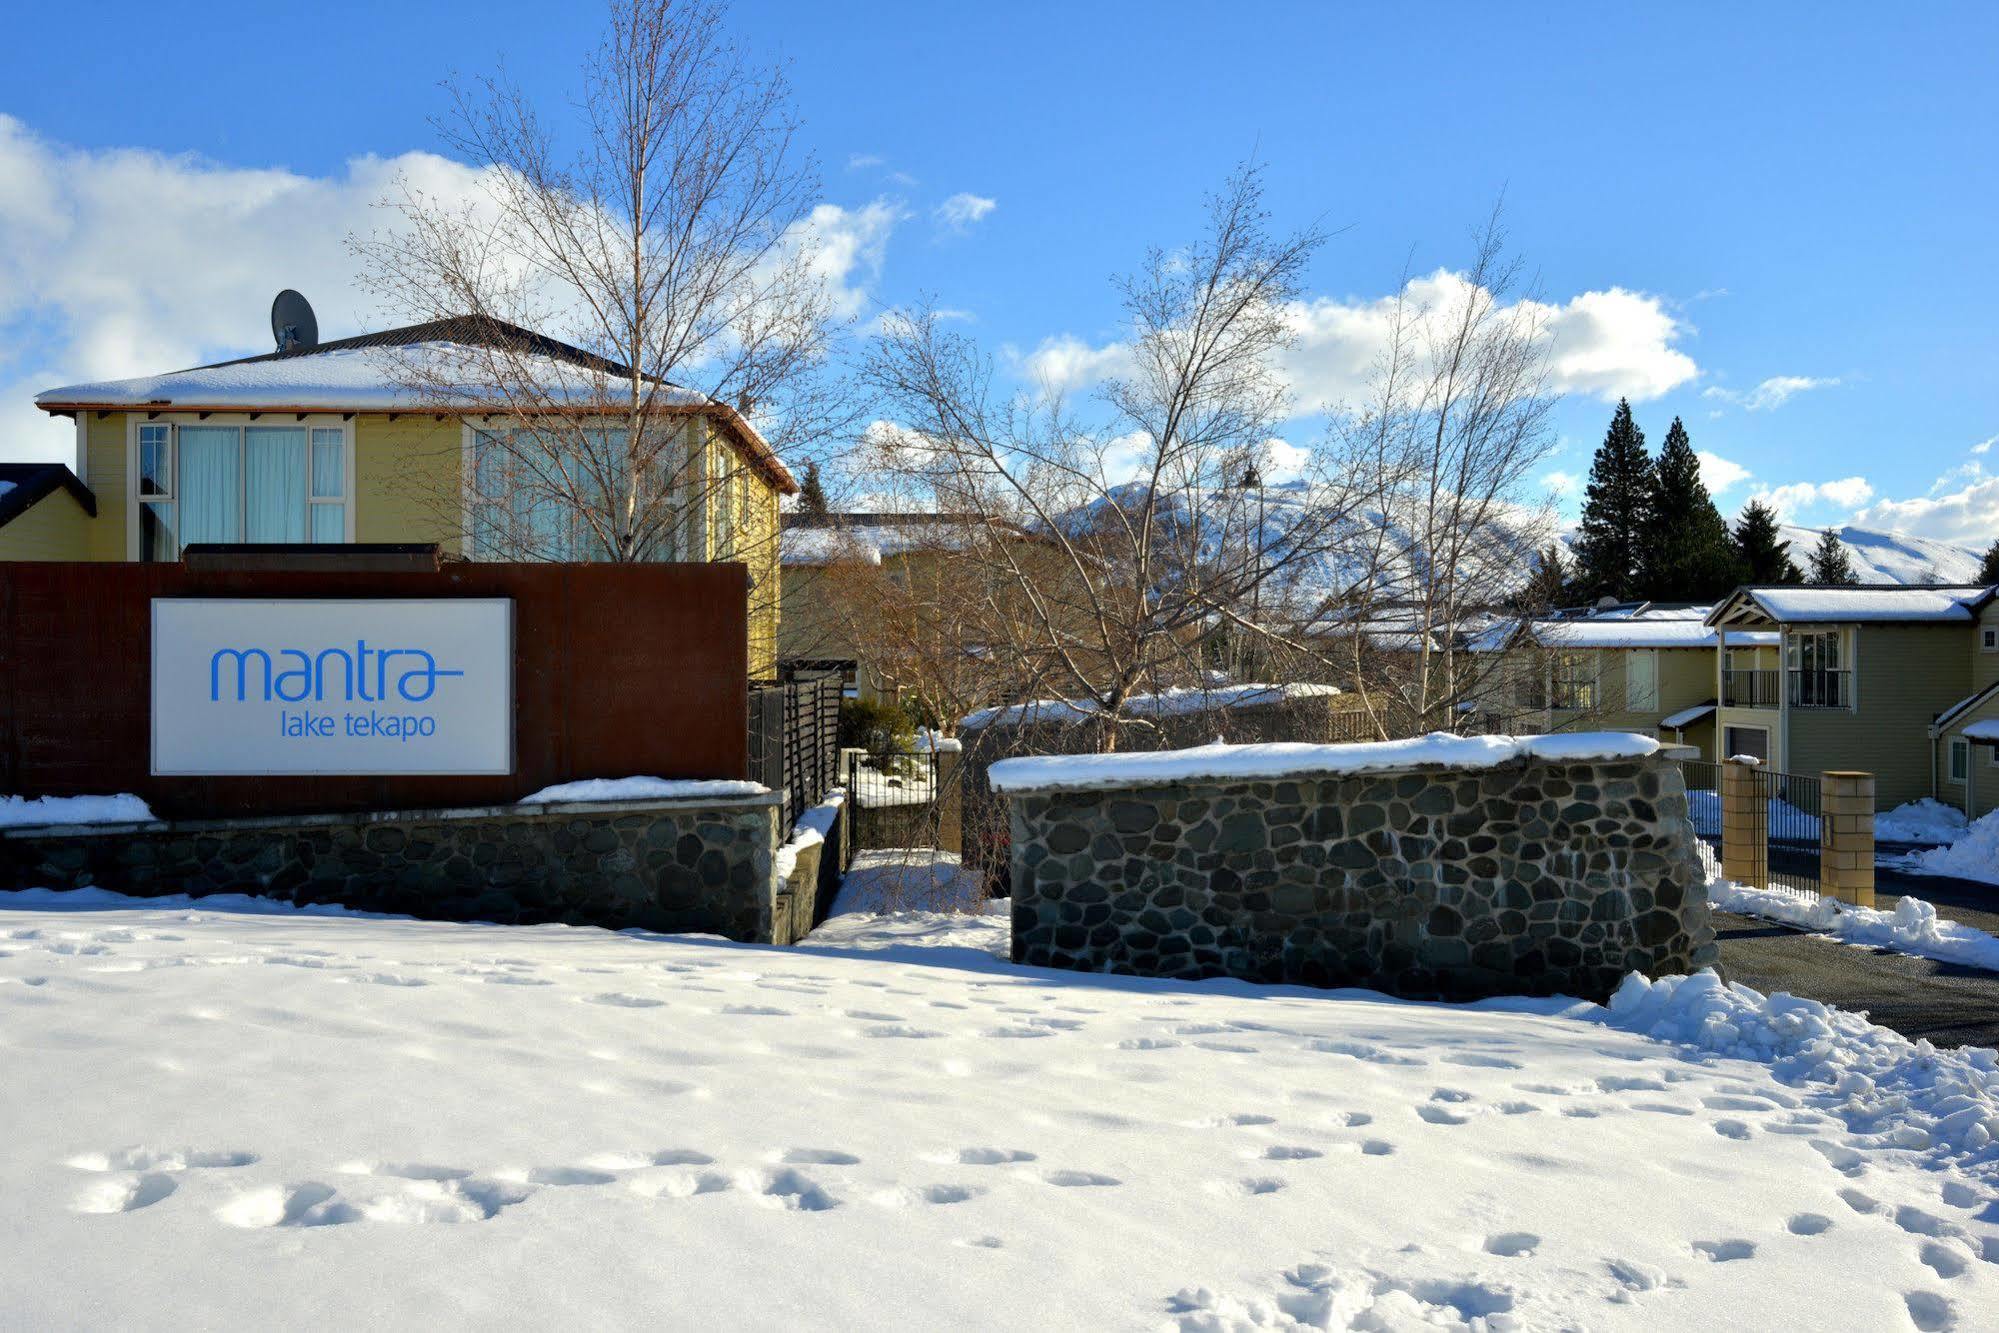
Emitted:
pixel 1794 205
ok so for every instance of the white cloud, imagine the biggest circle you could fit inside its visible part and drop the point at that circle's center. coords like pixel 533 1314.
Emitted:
pixel 1284 461
pixel 1984 446
pixel 963 209
pixel 1720 473
pixel 1562 484
pixel 1065 364
pixel 124 262
pixel 1968 516
pixel 1608 344
pixel 1771 393
pixel 862 161
pixel 1792 500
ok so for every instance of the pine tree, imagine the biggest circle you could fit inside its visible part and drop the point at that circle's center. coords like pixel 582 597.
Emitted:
pixel 1765 556
pixel 1989 571
pixel 1828 566
pixel 1688 555
pixel 1548 586
pixel 1616 513
pixel 812 492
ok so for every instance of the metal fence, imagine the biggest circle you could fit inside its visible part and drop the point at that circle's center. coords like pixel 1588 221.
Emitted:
pixel 1792 800
pixel 794 728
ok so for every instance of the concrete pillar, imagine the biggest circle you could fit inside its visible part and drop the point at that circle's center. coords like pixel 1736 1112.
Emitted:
pixel 1745 824
pixel 1846 837
pixel 950 798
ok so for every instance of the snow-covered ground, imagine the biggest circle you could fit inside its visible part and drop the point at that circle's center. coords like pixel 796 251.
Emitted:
pixel 1924 820
pixel 232 1118
pixel 1973 854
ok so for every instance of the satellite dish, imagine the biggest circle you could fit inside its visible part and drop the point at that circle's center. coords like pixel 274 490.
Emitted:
pixel 292 322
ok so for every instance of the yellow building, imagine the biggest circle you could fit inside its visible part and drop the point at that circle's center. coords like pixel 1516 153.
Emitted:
pixel 45 513
pixel 376 439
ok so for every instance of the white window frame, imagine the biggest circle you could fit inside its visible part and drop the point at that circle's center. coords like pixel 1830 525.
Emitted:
pixel 1633 704
pixel 1957 763
pixel 1988 638
pixel 310 421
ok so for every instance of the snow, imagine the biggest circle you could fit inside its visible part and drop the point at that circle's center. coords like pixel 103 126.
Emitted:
pixel 1974 855
pixel 1793 605
pixel 799 547
pixel 911 879
pixel 1891 557
pixel 235 1119
pixel 23 812
pixel 1165 703
pixel 1634 633
pixel 6 486
pixel 646 789
pixel 1686 717
pixel 358 379
pixel 1787 821
pixel 1289 759
pixel 1923 820
pixel 811 830
pixel 871 543
pixel 1912 928
pixel 1986 729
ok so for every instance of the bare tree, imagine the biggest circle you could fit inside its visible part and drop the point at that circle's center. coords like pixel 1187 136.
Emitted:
pixel 669 261
pixel 1150 533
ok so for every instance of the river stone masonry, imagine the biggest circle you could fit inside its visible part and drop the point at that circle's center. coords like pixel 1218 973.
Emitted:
pixel 1529 876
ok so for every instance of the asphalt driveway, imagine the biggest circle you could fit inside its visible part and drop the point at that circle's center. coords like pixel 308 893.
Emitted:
pixel 1949 1004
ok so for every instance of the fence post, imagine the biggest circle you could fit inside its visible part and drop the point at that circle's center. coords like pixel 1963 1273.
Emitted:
pixel 1846 836
pixel 1745 824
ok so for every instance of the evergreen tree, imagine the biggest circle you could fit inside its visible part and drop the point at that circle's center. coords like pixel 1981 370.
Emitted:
pixel 1548 586
pixel 812 492
pixel 1989 571
pixel 1828 566
pixel 1688 554
pixel 1765 556
pixel 1616 513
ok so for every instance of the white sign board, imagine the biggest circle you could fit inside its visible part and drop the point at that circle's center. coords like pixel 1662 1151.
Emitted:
pixel 332 687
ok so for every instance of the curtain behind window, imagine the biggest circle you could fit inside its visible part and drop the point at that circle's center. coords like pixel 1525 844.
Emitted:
pixel 210 484
pixel 274 472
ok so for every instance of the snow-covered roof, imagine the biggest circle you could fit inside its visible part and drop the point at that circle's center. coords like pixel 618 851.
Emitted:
pixel 414 377
pixel 1286 760
pixel 1622 627
pixel 1686 717
pixel 1870 604
pixel 1986 730
pixel 1166 703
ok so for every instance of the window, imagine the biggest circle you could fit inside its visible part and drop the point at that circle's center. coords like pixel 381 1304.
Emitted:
pixel 1575 681
pixel 562 495
pixel 1751 741
pixel 1641 681
pixel 1988 639
pixel 1960 759
pixel 249 483
pixel 1819 677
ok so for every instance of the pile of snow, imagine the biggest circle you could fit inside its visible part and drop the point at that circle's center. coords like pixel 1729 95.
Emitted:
pixel 22 812
pixel 1891 557
pixel 1974 855
pixel 235 1120
pixel 910 879
pixel 1787 821
pixel 812 829
pixel 1166 703
pixel 1920 821
pixel 646 789
pixel 1912 928
pixel 1288 759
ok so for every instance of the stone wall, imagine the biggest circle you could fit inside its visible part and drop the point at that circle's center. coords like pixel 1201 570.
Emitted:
pixel 662 865
pixel 1528 877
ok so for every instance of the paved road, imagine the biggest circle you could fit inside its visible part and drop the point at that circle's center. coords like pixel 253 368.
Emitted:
pixel 1918 997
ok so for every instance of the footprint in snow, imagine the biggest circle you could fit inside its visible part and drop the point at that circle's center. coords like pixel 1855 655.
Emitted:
pixel 903 1196
pixel 1439 1115
pixel 406 1170
pixel 789 1189
pixel 682 1185
pixel 1919 1223
pixel 985 1156
pixel 1943 1260
pixel 1279 1152
pixel 1080 1179
pixel 1860 1203
pixel 981 1243
pixel 901 1030
pixel 1475 1060
pixel 160 1159
pixel 1247 1187
pixel 1512 1244
pixel 1809 1224
pixel 756 1010
pixel 1377 1148
pixel 1724 1251
pixel 1731 1129
pixel 623 1000
pixel 124 1194
pixel 559 1175
pixel 818 1157
pixel 1930 1312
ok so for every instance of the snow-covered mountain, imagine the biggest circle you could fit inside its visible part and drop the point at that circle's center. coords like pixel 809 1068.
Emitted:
pixel 1891 557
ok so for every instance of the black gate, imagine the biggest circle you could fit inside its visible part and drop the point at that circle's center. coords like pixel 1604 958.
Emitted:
pixel 1792 801
pixel 795 738
pixel 902 798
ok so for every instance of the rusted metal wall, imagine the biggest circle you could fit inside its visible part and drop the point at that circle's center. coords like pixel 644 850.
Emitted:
pixel 618 670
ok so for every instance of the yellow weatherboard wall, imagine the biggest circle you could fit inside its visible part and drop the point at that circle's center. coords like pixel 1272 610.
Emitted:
pixel 55 527
pixel 408 481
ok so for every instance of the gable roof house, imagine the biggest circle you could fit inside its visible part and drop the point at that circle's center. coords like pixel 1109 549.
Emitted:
pixel 389 437
pixel 1887 679
pixel 43 512
pixel 1646 667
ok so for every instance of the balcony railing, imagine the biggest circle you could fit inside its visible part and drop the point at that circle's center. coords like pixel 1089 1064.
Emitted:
pixel 1749 689
pixel 1821 689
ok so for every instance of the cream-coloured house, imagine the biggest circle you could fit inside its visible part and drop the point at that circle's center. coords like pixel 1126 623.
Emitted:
pixel 1892 680
pixel 44 513
pixel 1646 668
pixel 331 444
